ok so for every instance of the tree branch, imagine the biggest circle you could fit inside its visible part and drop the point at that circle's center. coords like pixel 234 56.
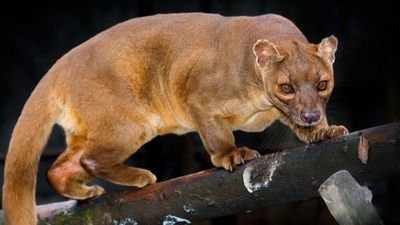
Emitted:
pixel 268 180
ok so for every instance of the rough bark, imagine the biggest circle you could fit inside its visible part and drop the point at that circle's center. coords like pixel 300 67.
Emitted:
pixel 287 176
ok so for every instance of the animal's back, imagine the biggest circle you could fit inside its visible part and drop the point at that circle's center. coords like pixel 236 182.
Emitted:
pixel 166 37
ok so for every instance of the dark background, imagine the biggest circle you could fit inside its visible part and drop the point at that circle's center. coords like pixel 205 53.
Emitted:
pixel 367 93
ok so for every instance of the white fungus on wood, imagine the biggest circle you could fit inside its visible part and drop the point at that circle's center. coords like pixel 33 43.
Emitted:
pixel 254 181
pixel 171 220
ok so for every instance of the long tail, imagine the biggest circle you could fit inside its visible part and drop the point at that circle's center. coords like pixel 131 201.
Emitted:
pixel 27 142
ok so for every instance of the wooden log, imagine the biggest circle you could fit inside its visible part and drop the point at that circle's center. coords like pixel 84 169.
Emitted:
pixel 348 202
pixel 266 181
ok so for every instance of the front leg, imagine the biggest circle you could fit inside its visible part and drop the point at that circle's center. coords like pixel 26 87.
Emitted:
pixel 317 133
pixel 219 141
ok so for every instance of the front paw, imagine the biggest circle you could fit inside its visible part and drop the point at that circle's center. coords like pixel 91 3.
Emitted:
pixel 328 133
pixel 233 158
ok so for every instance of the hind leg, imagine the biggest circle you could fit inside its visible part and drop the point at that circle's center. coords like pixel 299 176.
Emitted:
pixel 68 177
pixel 104 158
pixel 116 127
pixel 119 173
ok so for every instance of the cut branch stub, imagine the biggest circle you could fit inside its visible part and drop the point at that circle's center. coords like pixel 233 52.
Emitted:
pixel 348 202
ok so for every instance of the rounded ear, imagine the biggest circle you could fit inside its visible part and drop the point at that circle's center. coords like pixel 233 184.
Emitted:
pixel 327 48
pixel 266 53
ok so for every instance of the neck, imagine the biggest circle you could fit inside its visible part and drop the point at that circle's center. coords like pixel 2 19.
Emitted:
pixel 257 90
pixel 259 97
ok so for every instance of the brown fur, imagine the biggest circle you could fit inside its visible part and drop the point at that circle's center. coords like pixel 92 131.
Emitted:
pixel 165 74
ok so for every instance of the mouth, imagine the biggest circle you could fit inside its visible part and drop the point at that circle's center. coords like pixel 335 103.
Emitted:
pixel 296 119
pixel 299 121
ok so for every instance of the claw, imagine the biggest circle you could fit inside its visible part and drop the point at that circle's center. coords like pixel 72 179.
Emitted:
pixel 242 160
pixel 230 168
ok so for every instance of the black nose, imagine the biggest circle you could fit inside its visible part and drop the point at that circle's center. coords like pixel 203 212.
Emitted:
pixel 310 115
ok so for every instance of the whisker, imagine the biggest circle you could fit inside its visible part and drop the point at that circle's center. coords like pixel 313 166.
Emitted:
pixel 254 84
pixel 335 117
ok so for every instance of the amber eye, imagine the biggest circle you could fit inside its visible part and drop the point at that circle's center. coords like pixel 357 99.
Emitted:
pixel 322 86
pixel 287 88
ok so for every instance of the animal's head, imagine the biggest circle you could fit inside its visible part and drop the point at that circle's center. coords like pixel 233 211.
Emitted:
pixel 298 79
